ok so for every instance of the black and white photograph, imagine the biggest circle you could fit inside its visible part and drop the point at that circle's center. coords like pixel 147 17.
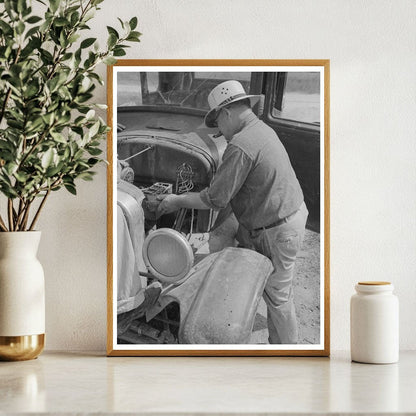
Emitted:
pixel 219 211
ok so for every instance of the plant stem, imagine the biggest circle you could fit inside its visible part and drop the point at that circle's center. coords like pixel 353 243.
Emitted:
pixel 26 216
pixel 39 209
pixel 2 224
pixel 17 217
pixel 28 204
pixel 10 213
pixel 20 214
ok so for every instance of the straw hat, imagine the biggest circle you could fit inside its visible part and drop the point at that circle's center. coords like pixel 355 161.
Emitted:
pixel 223 94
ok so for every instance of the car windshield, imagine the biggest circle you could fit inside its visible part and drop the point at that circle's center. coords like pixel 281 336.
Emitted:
pixel 178 89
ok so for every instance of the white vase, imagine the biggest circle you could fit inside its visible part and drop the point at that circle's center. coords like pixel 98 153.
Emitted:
pixel 22 296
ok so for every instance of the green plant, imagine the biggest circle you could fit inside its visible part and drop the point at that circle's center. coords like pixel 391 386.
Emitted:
pixel 50 134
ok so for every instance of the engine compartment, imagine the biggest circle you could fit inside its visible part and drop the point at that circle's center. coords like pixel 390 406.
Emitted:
pixel 178 152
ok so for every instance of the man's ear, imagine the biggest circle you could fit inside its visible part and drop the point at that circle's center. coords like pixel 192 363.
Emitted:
pixel 228 112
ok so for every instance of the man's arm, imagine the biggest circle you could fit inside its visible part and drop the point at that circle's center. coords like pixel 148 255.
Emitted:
pixel 172 202
pixel 227 181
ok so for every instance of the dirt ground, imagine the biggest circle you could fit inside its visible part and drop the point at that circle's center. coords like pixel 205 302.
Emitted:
pixel 307 295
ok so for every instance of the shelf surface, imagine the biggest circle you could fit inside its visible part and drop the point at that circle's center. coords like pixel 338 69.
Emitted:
pixel 83 383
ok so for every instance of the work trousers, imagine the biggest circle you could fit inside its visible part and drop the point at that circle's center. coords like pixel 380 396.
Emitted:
pixel 281 245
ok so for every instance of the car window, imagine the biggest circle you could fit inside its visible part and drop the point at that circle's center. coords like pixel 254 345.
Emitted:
pixel 178 89
pixel 297 97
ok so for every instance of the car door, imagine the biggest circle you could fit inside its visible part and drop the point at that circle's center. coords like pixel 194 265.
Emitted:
pixel 292 109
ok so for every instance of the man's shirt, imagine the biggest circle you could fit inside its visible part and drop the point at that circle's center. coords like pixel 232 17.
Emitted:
pixel 255 177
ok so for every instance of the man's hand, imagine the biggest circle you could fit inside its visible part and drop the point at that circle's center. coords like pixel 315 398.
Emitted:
pixel 168 203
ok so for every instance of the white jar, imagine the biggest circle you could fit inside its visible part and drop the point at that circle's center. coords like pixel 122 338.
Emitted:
pixel 374 323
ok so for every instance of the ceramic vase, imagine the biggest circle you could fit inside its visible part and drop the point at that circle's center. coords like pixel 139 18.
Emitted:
pixel 374 323
pixel 22 296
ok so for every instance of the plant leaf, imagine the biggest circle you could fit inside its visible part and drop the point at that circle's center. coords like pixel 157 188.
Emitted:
pixel 61 21
pixel 60 138
pixel 119 52
pixel 133 23
pixel 110 60
pixel 87 42
pixel 33 19
pixel 7 30
pixel 70 188
pixel 86 176
pixel 134 37
pixel 54 4
pixel 94 129
pixel 111 30
pixel 11 168
pixel 47 158
pixel 94 151
pixel 20 27
pixel 21 177
pixel 73 38
pixel 90 114
pixel 112 41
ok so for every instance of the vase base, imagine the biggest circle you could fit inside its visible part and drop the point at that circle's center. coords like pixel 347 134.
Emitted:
pixel 20 348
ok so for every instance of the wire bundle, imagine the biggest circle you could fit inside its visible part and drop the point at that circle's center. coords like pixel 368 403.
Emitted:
pixel 184 183
pixel 184 175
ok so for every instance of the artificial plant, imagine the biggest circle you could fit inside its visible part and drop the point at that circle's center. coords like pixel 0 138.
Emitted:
pixel 50 134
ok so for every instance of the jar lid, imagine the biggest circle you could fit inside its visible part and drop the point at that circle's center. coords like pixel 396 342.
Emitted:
pixel 373 287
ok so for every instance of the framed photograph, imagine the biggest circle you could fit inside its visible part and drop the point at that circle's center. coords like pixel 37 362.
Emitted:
pixel 218 208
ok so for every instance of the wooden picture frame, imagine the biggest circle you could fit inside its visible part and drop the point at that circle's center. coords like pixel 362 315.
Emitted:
pixel 158 107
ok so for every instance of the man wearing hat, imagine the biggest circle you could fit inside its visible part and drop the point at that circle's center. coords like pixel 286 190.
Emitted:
pixel 258 181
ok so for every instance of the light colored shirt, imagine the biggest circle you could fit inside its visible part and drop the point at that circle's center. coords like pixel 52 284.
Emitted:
pixel 255 177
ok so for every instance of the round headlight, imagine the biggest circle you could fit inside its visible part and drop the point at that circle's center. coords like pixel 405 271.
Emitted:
pixel 168 255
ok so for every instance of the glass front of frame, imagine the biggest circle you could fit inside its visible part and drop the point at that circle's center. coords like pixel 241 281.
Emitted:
pixel 192 282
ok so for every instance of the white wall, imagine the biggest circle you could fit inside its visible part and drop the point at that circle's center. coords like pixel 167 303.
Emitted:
pixel 371 45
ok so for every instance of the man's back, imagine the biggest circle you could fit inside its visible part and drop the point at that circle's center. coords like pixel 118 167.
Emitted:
pixel 271 190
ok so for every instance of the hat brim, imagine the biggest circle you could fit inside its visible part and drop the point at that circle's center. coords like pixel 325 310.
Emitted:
pixel 210 117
